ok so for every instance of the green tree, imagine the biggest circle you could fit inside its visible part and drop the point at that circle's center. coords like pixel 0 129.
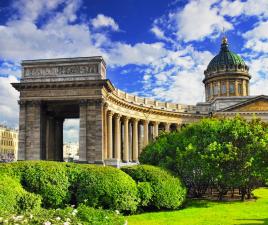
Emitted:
pixel 217 153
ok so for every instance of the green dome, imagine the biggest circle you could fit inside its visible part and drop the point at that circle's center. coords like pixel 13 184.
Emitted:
pixel 226 59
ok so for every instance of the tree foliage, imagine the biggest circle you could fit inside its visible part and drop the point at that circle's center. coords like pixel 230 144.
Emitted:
pixel 217 153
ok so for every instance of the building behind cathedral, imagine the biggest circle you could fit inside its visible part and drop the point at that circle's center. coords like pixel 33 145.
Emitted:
pixel 8 143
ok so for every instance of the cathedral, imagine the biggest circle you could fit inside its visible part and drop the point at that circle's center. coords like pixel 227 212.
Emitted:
pixel 114 125
pixel 226 85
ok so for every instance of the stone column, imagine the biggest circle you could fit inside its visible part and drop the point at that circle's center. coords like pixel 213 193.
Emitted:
pixel 83 131
pixel 33 131
pixel 156 124
pixel 110 134
pixel 145 132
pixel 236 88
pixel 211 90
pixel 140 141
pixel 22 131
pixel 105 131
pixel 135 140
pixel 219 88
pixel 244 88
pixel 117 137
pixel 58 156
pixel 167 127
pixel 50 138
pixel 126 134
pixel 227 88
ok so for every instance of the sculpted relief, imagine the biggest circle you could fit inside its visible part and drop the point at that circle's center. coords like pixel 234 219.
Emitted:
pixel 60 70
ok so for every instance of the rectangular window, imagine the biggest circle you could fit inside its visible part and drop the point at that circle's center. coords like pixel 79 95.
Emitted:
pixel 232 88
pixel 208 91
pixel 240 89
pixel 215 89
pixel 223 88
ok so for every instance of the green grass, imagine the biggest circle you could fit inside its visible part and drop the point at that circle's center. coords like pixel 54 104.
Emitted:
pixel 211 213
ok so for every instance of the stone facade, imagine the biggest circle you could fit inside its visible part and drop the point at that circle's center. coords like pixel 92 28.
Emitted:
pixel 114 125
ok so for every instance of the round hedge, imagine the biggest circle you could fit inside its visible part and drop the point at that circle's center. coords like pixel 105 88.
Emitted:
pixel 10 190
pixel 13 198
pixel 107 187
pixel 167 191
pixel 50 180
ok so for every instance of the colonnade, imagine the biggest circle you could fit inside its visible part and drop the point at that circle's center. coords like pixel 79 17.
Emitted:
pixel 125 137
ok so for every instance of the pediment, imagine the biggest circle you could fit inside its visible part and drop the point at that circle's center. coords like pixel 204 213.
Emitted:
pixel 258 104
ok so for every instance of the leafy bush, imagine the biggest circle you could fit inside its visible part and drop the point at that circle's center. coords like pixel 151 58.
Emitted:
pixel 10 191
pixel 218 153
pixel 50 180
pixel 13 198
pixel 98 216
pixel 29 201
pixel 145 193
pixel 107 187
pixel 168 191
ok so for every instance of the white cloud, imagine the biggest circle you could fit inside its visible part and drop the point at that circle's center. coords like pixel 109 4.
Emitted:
pixel 177 77
pixel 140 54
pixel 71 130
pixel 104 21
pixel 158 32
pixel 257 38
pixel 198 20
pixel 32 9
pixel 237 8
pixel 8 101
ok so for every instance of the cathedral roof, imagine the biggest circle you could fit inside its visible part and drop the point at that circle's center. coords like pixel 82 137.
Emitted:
pixel 226 59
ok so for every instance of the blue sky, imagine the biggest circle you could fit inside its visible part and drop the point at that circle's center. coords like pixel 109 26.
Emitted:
pixel 153 48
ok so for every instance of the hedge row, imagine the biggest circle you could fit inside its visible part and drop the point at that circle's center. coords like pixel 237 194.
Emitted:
pixel 109 188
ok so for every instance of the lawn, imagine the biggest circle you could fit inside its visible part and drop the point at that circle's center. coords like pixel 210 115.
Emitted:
pixel 211 213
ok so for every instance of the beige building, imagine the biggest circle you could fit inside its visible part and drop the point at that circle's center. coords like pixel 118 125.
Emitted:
pixel 70 151
pixel 8 143
pixel 115 125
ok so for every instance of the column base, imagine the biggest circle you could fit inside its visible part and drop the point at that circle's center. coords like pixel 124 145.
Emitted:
pixel 112 162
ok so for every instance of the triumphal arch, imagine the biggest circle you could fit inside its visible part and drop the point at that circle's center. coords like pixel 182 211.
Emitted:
pixel 114 125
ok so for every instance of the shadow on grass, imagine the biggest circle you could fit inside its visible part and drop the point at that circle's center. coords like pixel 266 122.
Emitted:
pixel 196 204
pixel 254 221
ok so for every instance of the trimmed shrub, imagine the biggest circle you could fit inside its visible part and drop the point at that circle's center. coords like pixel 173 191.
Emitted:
pixel 168 191
pixel 107 187
pixel 13 198
pixel 29 201
pixel 50 180
pixel 10 191
pixel 145 193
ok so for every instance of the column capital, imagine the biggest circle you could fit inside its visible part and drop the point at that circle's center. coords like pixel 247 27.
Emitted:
pixel 125 118
pixel 83 102
pixel 22 102
pixel 117 116
pixel 105 105
pixel 156 122
pixel 110 113
pixel 34 102
pixel 145 122
pixel 136 120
